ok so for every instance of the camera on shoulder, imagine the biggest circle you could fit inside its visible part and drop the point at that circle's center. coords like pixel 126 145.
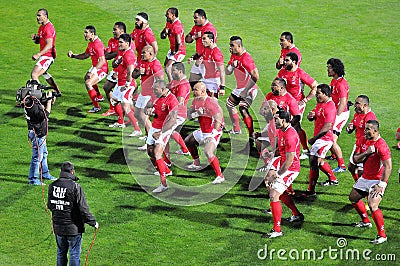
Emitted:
pixel 35 89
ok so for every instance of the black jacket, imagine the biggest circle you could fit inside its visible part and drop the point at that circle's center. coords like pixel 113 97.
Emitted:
pixel 37 119
pixel 67 202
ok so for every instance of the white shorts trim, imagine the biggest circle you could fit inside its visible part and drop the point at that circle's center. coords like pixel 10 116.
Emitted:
pixel 177 57
pixel 124 96
pixel 366 185
pixel 320 148
pixel 142 101
pixel 200 137
pixel 163 139
pixel 100 73
pixel 45 62
pixel 112 76
pixel 281 183
pixel 359 165
pixel 341 121
pixel 199 70
pixel 212 84
pixel 251 94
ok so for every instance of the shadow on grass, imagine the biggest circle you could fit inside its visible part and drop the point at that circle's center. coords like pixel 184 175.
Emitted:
pixel 132 187
pixel 80 145
pixel 117 157
pixel 75 112
pixel 96 173
pixel 16 196
pixel 16 112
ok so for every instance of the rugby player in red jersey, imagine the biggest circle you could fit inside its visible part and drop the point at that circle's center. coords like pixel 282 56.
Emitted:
pixel 323 115
pixel 99 69
pixel 285 169
pixel 165 110
pixel 211 120
pixel 201 25
pixel 362 114
pixel 374 153
pixel 46 38
pixel 246 74
pixel 174 31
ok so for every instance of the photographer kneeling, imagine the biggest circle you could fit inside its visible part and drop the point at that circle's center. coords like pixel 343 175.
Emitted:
pixel 37 118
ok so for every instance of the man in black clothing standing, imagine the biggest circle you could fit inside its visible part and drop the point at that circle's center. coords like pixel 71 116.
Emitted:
pixel 70 212
pixel 36 116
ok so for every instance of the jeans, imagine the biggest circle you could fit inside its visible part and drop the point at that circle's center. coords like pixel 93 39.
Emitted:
pixel 73 243
pixel 39 154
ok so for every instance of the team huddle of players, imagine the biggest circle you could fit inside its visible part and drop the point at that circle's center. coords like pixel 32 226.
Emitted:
pixel 134 57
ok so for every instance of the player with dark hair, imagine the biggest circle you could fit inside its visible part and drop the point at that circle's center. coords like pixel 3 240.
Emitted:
pixel 124 64
pixel 165 112
pixel 110 53
pixel 149 70
pixel 180 87
pixel 211 120
pixel 201 25
pixel 287 44
pixel 213 60
pixel 143 35
pixel 374 153
pixel 46 38
pixel 294 76
pixel 265 140
pixel 362 114
pixel 285 168
pixel 285 101
pixel 323 115
pixel 340 95
pixel 174 31
pixel 242 65
pixel 99 69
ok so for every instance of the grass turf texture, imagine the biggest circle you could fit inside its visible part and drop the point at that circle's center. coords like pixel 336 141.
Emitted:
pixel 138 229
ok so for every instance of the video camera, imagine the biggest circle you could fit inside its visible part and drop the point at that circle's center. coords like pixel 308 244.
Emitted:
pixel 35 89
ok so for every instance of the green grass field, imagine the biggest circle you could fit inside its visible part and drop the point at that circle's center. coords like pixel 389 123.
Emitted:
pixel 139 229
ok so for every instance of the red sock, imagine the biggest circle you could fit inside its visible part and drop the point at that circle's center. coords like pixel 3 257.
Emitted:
pixel 276 209
pixel 119 112
pixel 248 121
pixel 92 95
pixel 341 163
pixel 166 159
pixel 303 139
pixel 153 161
pixel 379 222
pixel 194 152
pixel 313 178
pixel 235 121
pixel 355 176
pixel 96 88
pixel 133 120
pixel 161 167
pixel 178 138
pixel 215 165
pixel 111 107
pixel 288 201
pixel 361 210
pixel 326 168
